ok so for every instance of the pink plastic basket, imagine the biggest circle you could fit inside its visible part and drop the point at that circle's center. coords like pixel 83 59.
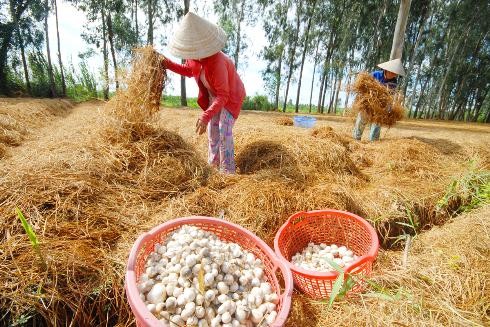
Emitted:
pixel 225 230
pixel 329 227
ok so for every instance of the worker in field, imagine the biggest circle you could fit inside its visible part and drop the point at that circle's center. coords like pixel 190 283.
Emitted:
pixel 388 76
pixel 221 91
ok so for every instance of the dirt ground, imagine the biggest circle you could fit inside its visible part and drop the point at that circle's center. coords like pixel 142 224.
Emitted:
pixel 448 137
pixel 410 168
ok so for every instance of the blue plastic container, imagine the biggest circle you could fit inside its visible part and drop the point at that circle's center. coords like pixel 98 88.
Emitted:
pixel 304 121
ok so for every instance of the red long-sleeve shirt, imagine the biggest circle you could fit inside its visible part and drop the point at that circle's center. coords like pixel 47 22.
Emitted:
pixel 226 86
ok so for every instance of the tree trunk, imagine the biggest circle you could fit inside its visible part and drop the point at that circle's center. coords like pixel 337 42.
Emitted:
pixel 347 93
pixel 337 95
pixel 150 23
pixel 349 78
pixel 314 70
pixel 136 21
pixel 6 34
pixel 452 115
pixel 105 55
pixel 24 61
pixel 52 88
pixel 412 59
pixel 305 48
pixel 183 91
pixel 446 74
pixel 322 85
pixel 278 78
pixel 414 89
pixel 239 34
pixel 292 54
pixel 324 95
pixel 401 24
pixel 335 77
pixel 63 84
pixel 487 118
pixel 332 93
pixel 480 99
pixel 110 34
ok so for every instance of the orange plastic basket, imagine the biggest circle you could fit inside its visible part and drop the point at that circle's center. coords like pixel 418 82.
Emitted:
pixel 145 244
pixel 329 227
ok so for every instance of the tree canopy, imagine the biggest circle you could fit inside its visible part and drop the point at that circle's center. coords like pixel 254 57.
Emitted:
pixel 446 51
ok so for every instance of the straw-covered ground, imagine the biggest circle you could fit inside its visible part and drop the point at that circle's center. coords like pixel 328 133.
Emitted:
pixel 89 184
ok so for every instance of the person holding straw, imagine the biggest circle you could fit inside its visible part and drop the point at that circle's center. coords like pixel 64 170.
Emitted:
pixel 388 76
pixel 221 91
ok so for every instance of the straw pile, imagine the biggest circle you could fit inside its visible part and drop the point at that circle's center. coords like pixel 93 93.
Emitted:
pixel 83 198
pixel 133 108
pixel 281 155
pixel 103 184
pixel 18 117
pixel 374 101
pixel 327 132
pixel 284 121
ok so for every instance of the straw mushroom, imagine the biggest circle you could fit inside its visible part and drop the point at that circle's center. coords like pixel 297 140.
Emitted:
pixel 319 257
pixel 193 278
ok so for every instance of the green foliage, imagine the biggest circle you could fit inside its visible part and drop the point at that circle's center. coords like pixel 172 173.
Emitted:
pixel 446 55
pixel 469 191
pixel 22 320
pixel 14 81
pixel 80 86
pixel 342 285
pixel 257 102
pixel 39 74
pixel 382 293
pixel 173 101
pixel 32 236
pixel 233 16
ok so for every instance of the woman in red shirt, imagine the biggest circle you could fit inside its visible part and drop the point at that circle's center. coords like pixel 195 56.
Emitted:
pixel 221 91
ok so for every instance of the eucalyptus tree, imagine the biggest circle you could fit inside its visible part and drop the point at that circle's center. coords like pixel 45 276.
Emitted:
pixel 60 62
pixel 275 23
pixel 292 33
pixel 309 14
pixel 13 13
pixel 52 86
pixel 234 15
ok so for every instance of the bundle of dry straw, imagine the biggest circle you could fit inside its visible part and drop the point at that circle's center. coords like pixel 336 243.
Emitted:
pixel 144 87
pixel 377 103
pixel 284 121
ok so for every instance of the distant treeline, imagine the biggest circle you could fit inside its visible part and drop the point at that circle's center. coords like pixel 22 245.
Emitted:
pixel 446 50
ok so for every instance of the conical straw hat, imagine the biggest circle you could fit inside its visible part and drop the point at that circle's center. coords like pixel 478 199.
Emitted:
pixel 196 38
pixel 394 66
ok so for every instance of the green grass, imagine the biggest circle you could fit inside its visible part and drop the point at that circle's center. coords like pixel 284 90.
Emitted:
pixel 32 237
pixel 173 101
pixel 256 103
pixel 469 191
